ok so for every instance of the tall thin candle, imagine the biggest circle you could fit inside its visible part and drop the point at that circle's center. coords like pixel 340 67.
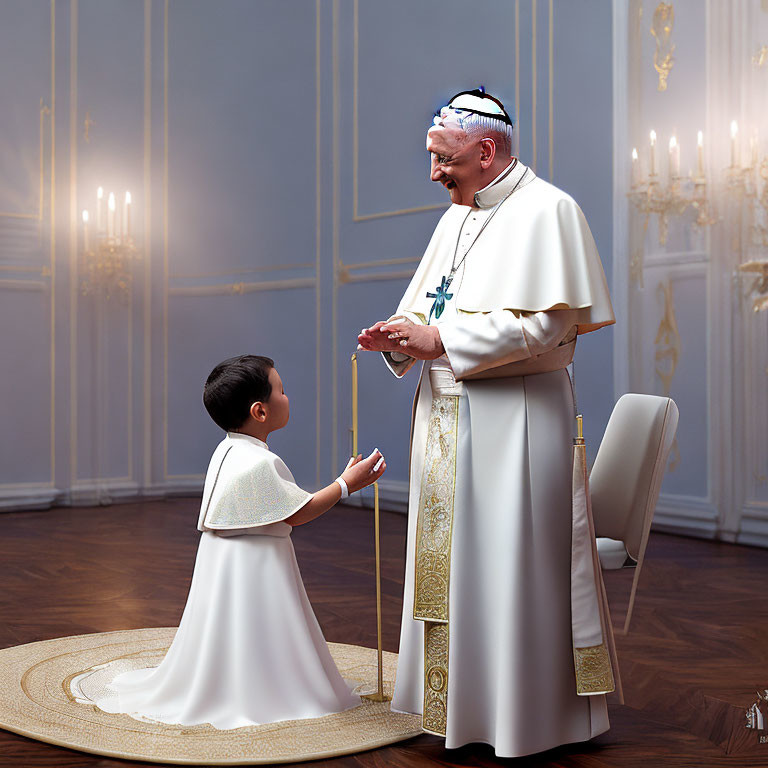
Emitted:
pixel 127 216
pixel 674 158
pixel 635 167
pixel 99 213
pixel 700 154
pixel 111 215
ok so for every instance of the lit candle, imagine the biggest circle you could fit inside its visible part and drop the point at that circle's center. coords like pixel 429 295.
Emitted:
pixel 99 219
pixel 635 167
pixel 734 143
pixel 111 215
pixel 85 231
pixel 653 153
pixel 674 158
pixel 700 154
pixel 127 216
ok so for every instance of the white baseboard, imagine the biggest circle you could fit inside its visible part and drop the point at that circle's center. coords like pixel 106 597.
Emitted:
pixel 92 493
pixel 753 528
pixel 28 496
pixel 687 515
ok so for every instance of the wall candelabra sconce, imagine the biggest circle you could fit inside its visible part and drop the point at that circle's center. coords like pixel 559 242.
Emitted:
pixel 747 187
pixel 650 195
pixel 109 251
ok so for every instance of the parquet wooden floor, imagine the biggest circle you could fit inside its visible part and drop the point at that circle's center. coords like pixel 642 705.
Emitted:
pixel 697 647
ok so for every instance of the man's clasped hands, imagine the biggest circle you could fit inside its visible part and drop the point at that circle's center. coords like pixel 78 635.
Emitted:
pixel 400 334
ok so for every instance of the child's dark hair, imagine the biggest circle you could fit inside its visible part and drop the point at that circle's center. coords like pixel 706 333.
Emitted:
pixel 233 386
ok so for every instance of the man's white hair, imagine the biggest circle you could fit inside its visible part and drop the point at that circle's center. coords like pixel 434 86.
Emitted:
pixel 482 127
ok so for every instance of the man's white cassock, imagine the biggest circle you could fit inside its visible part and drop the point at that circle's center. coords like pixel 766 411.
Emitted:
pixel 488 585
pixel 249 649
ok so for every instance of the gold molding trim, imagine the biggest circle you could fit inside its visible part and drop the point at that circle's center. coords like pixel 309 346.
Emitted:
pixel 517 71
pixel 534 78
pixel 228 289
pixel 551 91
pixel 47 270
pixel 239 289
pixel 335 240
pixel 249 270
pixel 382 263
pixel 147 363
pixel 346 278
pixel 73 235
pixel 53 241
pixel 165 240
pixel 318 248
pixel 26 269
pixel 356 216
pixel 10 284
pixel 44 110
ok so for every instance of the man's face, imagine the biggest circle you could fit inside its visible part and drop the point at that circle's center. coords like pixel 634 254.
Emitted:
pixel 455 158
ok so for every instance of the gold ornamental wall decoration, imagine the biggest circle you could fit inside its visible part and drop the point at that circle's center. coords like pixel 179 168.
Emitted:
pixel 760 59
pixel 668 346
pixel 661 29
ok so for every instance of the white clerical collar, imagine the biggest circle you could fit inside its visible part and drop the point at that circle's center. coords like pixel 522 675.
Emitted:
pixel 504 183
pixel 247 438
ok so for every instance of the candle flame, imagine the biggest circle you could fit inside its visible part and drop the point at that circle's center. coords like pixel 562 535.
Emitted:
pixel 700 139
pixel 85 217
pixel 111 201
pixel 672 142
pixel 653 137
pixel 634 153
pixel 734 129
pixel 127 197
pixel 100 192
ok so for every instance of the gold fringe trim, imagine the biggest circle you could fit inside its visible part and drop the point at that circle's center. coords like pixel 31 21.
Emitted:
pixel 593 670
pixel 435 710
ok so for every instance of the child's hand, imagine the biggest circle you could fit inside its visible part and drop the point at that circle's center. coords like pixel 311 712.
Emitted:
pixel 361 472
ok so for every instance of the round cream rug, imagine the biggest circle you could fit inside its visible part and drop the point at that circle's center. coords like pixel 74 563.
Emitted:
pixel 37 701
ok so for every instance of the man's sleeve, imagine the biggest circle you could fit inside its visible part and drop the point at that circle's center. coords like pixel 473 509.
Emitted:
pixel 484 340
pixel 398 362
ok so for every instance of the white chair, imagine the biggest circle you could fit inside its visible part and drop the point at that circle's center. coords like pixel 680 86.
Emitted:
pixel 625 480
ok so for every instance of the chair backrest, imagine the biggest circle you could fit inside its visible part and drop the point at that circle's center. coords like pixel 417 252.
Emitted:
pixel 626 476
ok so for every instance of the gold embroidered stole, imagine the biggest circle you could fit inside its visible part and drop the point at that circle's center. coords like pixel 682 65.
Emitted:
pixel 594 653
pixel 433 554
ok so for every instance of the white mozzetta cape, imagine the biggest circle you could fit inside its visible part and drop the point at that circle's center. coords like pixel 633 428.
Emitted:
pixel 247 486
pixel 538 247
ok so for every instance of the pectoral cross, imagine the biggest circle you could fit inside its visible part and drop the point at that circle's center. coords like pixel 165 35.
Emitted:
pixel 442 295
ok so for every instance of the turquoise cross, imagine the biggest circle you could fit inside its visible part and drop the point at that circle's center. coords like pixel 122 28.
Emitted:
pixel 442 295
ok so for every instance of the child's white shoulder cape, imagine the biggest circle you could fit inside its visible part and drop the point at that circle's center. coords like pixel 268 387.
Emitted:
pixel 247 486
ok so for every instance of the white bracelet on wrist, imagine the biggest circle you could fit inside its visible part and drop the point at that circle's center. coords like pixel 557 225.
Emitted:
pixel 344 489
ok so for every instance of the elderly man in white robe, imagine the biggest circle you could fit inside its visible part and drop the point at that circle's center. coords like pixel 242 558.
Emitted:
pixel 490 648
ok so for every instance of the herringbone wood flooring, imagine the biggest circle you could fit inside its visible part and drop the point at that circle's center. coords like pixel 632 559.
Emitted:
pixel 697 650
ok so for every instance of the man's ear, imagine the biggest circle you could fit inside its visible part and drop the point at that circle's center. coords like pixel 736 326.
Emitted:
pixel 258 411
pixel 487 153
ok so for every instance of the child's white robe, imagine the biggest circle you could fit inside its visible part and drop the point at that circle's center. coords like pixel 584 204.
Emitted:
pixel 249 649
